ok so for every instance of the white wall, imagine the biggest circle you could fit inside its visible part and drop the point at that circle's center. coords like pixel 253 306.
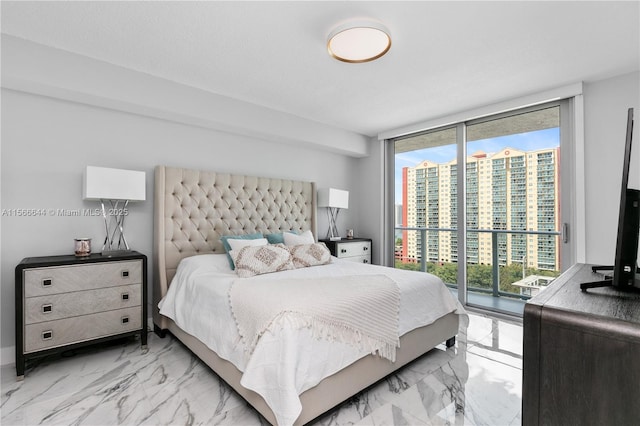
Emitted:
pixel 46 143
pixel 368 181
pixel 62 112
pixel 34 68
pixel 605 118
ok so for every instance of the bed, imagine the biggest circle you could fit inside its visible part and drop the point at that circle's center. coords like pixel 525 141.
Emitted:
pixel 192 210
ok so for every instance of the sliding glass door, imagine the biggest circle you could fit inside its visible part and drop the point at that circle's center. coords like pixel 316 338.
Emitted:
pixel 426 192
pixel 479 204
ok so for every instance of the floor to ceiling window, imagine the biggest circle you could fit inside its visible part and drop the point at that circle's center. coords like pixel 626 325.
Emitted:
pixel 425 188
pixel 505 244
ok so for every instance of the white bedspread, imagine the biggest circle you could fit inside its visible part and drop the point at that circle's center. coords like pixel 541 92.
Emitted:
pixel 361 310
pixel 288 361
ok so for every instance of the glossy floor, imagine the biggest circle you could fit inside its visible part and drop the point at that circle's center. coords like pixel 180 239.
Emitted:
pixel 478 382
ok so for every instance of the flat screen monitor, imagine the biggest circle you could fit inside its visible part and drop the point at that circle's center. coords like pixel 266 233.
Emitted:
pixel 625 268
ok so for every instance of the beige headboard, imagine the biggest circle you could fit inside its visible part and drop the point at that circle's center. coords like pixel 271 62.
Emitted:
pixel 193 209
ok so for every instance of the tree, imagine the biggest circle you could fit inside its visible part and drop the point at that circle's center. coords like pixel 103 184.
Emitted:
pixel 448 272
pixel 479 276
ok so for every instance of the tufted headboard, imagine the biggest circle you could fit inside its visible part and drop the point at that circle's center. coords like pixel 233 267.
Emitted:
pixel 193 209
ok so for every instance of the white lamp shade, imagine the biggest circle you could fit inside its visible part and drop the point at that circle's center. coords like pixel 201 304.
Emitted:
pixel 331 197
pixel 102 183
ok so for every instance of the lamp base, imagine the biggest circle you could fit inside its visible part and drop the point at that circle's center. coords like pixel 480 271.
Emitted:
pixel 332 232
pixel 114 242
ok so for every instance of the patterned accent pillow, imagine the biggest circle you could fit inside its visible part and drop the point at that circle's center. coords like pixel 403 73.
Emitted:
pixel 305 255
pixel 257 260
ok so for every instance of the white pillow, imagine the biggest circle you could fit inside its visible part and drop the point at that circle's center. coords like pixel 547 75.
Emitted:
pixel 295 240
pixel 237 244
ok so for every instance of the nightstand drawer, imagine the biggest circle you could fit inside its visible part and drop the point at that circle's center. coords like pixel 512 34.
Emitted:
pixel 61 332
pixel 356 248
pixel 360 259
pixel 65 305
pixel 64 279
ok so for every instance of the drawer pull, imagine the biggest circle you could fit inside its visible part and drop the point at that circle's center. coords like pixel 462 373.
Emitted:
pixel 47 282
pixel 365 248
pixel 46 309
pixel 125 274
pixel 47 335
pixel 343 250
pixel 125 320
pixel 365 261
pixel 125 296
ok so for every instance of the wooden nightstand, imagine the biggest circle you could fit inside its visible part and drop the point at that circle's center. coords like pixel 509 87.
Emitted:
pixel 355 249
pixel 64 302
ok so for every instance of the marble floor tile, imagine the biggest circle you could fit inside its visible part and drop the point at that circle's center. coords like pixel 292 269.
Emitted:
pixel 390 415
pixel 478 382
pixel 500 340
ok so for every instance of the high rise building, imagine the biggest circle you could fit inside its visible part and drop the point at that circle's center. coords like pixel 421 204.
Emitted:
pixel 508 190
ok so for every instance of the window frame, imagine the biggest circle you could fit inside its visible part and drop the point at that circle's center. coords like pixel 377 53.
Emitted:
pixel 572 194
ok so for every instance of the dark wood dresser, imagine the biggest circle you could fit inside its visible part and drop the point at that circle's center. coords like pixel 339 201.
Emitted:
pixel 64 302
pixel 581 355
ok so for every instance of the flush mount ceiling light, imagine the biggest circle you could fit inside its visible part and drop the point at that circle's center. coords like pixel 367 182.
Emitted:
pixel 357 42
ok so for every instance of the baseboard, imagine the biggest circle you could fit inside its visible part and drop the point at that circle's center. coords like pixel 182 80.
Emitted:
pixel 7 356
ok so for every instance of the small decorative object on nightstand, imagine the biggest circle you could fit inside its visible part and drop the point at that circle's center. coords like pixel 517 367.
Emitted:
pixel 64 302
pixel 354 249
pixel 82 247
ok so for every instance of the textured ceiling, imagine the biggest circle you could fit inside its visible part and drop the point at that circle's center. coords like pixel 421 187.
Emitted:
pixel 446 56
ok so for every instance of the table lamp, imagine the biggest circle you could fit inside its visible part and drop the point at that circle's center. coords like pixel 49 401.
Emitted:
pixel 115 187
pixel 334 200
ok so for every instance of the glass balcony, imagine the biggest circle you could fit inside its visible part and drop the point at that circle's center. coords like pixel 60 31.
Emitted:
pixel 500 277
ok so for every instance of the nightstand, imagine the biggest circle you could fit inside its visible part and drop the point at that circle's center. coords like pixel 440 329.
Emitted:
pixel 355 249
pixel 64 302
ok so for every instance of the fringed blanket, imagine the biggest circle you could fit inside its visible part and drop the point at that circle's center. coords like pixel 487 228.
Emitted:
pixel 357 310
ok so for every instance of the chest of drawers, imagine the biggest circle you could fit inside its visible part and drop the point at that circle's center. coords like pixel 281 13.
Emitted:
pixel 580 354
pixel 63 302
pixel 356 249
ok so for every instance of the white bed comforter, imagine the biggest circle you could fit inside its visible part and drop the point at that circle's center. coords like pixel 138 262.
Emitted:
pixel 287 361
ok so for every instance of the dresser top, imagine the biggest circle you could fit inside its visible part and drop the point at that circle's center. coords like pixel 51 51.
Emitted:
pixel 344 240
pixel 564 294
pixel 70 259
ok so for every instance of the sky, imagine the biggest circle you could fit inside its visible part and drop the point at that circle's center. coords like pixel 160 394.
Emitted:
pixel 530 141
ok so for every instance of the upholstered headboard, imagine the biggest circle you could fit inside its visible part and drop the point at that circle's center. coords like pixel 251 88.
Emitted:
pixel 193 209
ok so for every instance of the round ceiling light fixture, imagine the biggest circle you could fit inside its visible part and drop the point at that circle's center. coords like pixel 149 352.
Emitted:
pixel 357 42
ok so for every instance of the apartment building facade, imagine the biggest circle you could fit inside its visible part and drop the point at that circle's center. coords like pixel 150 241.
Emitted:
pixel 508 190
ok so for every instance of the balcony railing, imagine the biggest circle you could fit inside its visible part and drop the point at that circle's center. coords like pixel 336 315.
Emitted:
pixel 497 251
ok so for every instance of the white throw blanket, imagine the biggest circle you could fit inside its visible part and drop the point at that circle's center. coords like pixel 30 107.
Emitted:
pixel 360 310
